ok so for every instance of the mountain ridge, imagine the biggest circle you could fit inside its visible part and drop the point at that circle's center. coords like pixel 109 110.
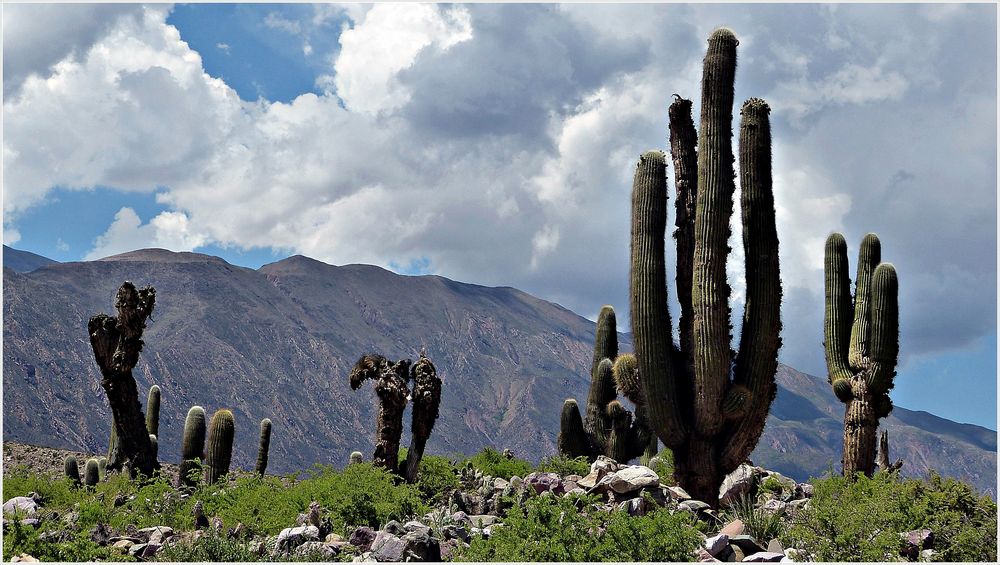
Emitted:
pixel 278 342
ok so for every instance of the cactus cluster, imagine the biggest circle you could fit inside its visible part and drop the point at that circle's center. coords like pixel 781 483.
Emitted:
pixel 861 340
pixel 608 428
pixel 391 387
pixel 705 402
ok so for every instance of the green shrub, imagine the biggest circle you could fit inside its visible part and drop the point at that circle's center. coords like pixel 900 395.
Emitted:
pixel 556 529
pixel 772 485
pixel 759 523
pixel 861 520
pixel 210 547
pixel 436 479
pixel 18 539
pixel 563 465
pixel 491 462
pixel 664 466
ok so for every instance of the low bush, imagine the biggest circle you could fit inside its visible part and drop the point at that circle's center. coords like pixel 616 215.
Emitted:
pixel 563 465
pixel 861 520
pixel 493 463
pixel 436 479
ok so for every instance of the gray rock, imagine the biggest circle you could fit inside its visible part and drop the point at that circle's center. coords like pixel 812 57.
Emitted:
pixel 394 528
pixel 715 544
pixel 461 518
pixel 137 549
pixel 677 493
pixel 703 556
pixel 543 482
pixel 362 538
pixel 606 464
pixel 796 505
pixel 415 526
pixel 315 549
pixel 388 547
pixel 500 484
pixel 591 480
pixel 483 520
pixel 764 556
pixel 740 483
pixel 807 489
pixel 774 546
pixel 693 505
pixel 156 534
pixel 631 479
pixel 775 506
pixel 747 543
pixel 33 522
pixel 420 546
pixel 151 550
pixel 22 504
pixel 927 555
pixel 456 532
pixel 290 538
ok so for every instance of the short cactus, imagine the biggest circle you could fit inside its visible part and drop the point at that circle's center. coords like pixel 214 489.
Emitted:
pixel 153 411
pixel 192 446
pixel 608 428
pixel 219 445
pixel 861 356
pixel 91 473
pixel 72 469
pixel 102 467
pixel 356 458
pixel 263 446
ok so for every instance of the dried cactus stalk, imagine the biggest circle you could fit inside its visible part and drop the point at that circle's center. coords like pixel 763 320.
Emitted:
pixel 426 405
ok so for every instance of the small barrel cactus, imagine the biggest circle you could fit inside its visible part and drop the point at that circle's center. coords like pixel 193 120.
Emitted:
pixel 193 445
pixel 91 473
pixel 219 446
pixel 263 446
pixel 72 468
pixel 356 458
pixel 102 467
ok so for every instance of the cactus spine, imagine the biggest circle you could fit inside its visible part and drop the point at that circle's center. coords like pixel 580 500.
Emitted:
pixel 219 446
pixel 192 445
pixel 91 473
pixel 153 411
pixel 72 468
pixel 391 387
pixel 608 428
pixel 709 419
pixel 263 446
pixel 861 356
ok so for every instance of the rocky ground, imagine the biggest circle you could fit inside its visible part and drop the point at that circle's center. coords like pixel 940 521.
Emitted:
pixel 477 509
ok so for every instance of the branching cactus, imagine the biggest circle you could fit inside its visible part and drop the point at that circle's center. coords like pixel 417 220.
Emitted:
pixel 861 339
pixel 72 469
pixel 263 446
pixel 192 445
pixel 391 387
pixel 116 342
pixel 219 446
pixel 705 402
pixel 608 428
pixel 426 404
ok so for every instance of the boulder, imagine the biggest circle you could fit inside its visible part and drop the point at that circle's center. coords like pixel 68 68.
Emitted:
pixel 415 526
pixel 543 482
pixel 631 478
pixel 23 558
pixel 775 506
pixel 155 534
pixel 774 546
pixel 150 551
pixel 716 544
pixel 703 556
pixel 456 532
pixel 394 528
pixel 806 489
pixel 693 505
pixel 740 483
pixel 20 504
pixel 500 484
pixel 315 549
pixel 461 518
pixel 388 547
pixel 123 545
pixel 591 480
pixel 677 493
pixel 290 538
pixel 362 538
pixel 420 546
pixel 606 464
pixel 747 543
pixel 482 520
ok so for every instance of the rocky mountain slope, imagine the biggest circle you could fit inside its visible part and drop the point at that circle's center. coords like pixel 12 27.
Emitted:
pixel 278 342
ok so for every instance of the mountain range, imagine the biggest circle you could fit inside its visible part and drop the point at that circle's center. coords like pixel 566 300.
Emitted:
pixel 278 342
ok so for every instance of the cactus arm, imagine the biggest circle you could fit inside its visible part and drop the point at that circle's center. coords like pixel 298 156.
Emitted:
pixel 572 440
pixel 602 392
pixel 651 329
pixel 710 292
pixel 605 339
pixel 757 360
pixel 683 138
pixel 837 322
pixel 426 406
pixel 868 258
pixel 263 446
pixel 885 328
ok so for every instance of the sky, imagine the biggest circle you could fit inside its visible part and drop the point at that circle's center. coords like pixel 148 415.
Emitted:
pixel 495 144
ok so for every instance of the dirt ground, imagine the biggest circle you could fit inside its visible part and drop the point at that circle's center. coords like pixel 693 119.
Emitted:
pixel 49 461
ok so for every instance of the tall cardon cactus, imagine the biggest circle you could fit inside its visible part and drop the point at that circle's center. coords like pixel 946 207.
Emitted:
pixel 607 428
pixel 192 446
pixel 116 342
pixel 263 446
pixel 391 387
pixel 705 405
pixel 861 339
